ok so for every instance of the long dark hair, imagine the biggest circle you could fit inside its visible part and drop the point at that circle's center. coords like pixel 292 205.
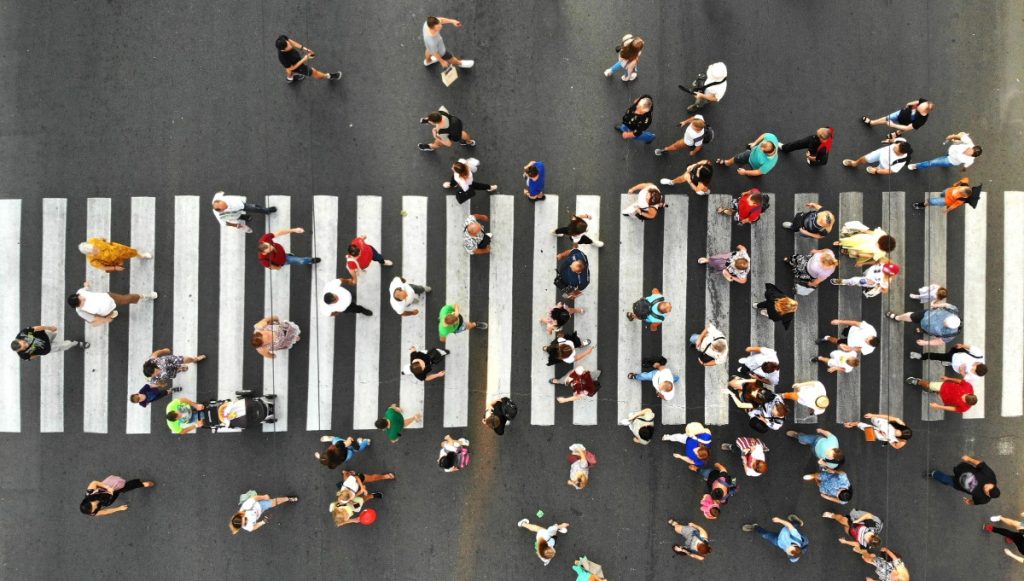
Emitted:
pixel 333 457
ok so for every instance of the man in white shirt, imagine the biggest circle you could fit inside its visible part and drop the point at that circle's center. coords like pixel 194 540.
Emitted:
pixel 404 294
pixel 233 211
pixel 338 299
pixel 858 336
pixel 661 377
pixel 967 361
pixel 713 88
pixel 762 363
pixel 962 152
pixel 810 394
pixel 890 159
pixel 99 309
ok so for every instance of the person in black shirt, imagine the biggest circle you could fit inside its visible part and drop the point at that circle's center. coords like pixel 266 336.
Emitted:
pixel 972 476
pixel 912 116
pixel 815 223
pixel 777 305
pixel 446 129
pixel 499 413
pixel 637 119
pixel 421 364
pixel 818 146
pixel 34 342
pixel 294 56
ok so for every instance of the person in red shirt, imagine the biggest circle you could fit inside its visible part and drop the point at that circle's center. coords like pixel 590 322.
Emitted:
pixel 273 256
pixel 957 395
pixel 583 383
pixel 360 255
pixel 748 207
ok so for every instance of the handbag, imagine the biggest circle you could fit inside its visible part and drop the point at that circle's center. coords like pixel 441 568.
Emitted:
pixel 115 482
pixel 590 457
pixel 449 75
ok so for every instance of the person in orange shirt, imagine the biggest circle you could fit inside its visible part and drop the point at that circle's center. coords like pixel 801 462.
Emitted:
pixel 955 196
pixel 109 256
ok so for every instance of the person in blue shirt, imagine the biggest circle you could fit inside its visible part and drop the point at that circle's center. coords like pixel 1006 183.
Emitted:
pixel 573 273
pixel 790 539
pixel 654 313
pixel 534 173
pixel 941 320
pixel 150 393
pixel 833 485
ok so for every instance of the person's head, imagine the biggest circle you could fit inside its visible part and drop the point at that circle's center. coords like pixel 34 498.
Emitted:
pixel 991 490
pixel 970 399
pixel 398 295
pixel 742 263
pixel 941 293
pixel 904 433
pixel 826 220
pixel 665 387
pixel 770 367
pixel 757 198
pixel 89 507
pixel 18 345
pixel 779 410
pixel 577 225
pixel 172 416
pixel 435 117
pixel 265 248
pixel 577 266
pixel 492 421
pixel 872 341
pixel 474 228
pixel 646 433
pixel 545 551
pixel 664 307
pixel 345 495
pixel 354 250
pixel 822 401
pixel 461 169
pixel 433 23
pixel 980 369
pixel 760 466
pixel 447 461
pixel 974 151
pixel 382 424
pixel 532 171
pixel 86 248
pixel 768 147
pixel 631 49
pixel 824 133
pixel 951 322
pixel 256 340
pixel 219 205
pixel 418 365
pixel 331 298
pixel 853 362
pixel 785 305
pixel 845 495
pixel 235 524
pixel 794 551
pixel 565 350
pixel 581 481
pixel 874 541
pixel 704 172
pixel 719 346
pixel 887 243
pixel 904 148
pixel 654 196
pixel 451 319
pixel 149 368
pixel 644 105
pixel 713 513
pixel 74 301
pixel 281 43
pixel 925 108
pixel 718 493
pixel 698 124
pixel 828 260
pixel 702 452
pixel 332 458
pixel 836 455
pixel 136 398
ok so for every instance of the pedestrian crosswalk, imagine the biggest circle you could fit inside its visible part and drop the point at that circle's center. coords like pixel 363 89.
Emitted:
pixel 671 268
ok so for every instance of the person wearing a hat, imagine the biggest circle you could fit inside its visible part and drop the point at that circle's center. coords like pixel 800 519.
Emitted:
pixel 941 320
pixel 957 394
pixel 972 476
pixel 955 196
pixel 713 89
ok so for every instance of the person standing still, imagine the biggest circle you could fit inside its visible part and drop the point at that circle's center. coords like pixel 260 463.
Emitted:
pixel 435 50
pixel 294 58
pixel 31 343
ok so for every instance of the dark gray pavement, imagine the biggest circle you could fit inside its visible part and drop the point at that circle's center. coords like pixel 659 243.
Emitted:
pixel 146 98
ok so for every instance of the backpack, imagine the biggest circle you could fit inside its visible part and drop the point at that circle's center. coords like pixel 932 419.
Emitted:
pixel 644 308
pixel 462 457
pixel 559 282
pixel 510 409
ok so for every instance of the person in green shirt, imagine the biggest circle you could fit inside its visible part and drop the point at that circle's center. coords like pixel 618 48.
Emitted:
pixel 762 155
pixel 180 412
pixel 450 321
pixel 394 422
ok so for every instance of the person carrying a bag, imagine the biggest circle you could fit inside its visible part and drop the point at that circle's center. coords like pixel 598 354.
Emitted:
pixel 99 495
pixel 652 310
pixel 629 57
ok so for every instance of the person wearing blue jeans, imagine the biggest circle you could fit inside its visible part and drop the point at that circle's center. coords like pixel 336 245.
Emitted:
pixel 273 256
pixel 825 444
pixel 962 152
pixel 337 455
pixel 637 119
pixel 789 539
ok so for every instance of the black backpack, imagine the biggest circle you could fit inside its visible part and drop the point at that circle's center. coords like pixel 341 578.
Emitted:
pixel 643 308
pixel 510 409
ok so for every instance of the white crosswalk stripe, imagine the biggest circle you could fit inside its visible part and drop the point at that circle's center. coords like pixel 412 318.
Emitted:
pixel 502 311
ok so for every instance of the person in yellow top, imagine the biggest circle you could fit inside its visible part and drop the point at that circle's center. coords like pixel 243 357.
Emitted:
pixel 864 244
pixel 109 256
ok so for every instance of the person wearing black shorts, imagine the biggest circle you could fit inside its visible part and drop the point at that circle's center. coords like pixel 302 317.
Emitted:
pixel 294 56
pixel 446 128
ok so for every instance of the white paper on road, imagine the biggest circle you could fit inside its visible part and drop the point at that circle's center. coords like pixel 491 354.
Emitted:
pixel 973 312
pixel 805 324
pixel 500 299
pixel 716 305
pixel 186 291
pixel 277 301
pixel 890 334
pixel 934 272
pixel 851 208
pixel 584 411
pixel 456 379
pixel 10 301
pixel 1013 315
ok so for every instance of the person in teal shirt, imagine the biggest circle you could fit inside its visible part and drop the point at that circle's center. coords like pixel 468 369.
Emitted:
pixel 587 570
pixel 761 155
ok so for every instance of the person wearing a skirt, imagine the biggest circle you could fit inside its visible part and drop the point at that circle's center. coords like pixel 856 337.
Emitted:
pixel 271 334
pixel 734 266
pixel 810 270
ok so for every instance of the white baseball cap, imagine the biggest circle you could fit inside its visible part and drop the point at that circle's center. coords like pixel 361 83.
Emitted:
pixel 717 72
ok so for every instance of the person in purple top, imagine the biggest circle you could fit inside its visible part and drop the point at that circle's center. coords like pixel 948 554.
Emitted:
pixel 533 173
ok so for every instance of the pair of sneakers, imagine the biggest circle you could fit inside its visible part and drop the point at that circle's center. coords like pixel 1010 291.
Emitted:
pixel 299 76
pixel 463 64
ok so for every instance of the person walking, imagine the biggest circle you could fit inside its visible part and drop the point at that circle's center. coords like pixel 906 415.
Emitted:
pixel 295 59
pixel 941 320
pixel 651 310
pixel 641 424
pixel 815 223
pixel 587 570
pixel 31 343
pixel 109 256
pixel 711 345
pixel 359 256
pixel 661 377
pixel 1013 536
pixel 720 484
pixel 790 539
pixel 695 540
pixel 839 360
pixel 875 280
pixel 697 175
pixel 810 270
pixel 857 337
pixel 862 526
pixel 965 360
pixel 888 430
pixel 580 461
pixel 340 450
pixel 637 119
pixel 889 566
pixel 338 299
pixel 972 476
pixel 573 273
pixel 709 89
pixel 761 363
pixel 558 316
pixel 777 305
pixel 422 364
pixel 811 395
pixel 747 208
pixel 695 133
pixel 98 309
pixel 866 245
pixel 446 129
pixel 499 413
pixel 911 116
pixel 404 294
pixel 753 454
pixel 463 184
pixel 162 366
pixel 833 484
pixel 450 322
pixel 436 52
pixel 886 160
pixel 251 508
pixel 182 415
pixel 454 454
pixel 762 154
pixel 765 410
pixel 957 394
pixel 734 266
pixel 270 334
pixel 930 294
pixel 962 152
pixel 101 494
pixel 273 256
pixel 696 449
pixel 544 542
pixel 953 197
pixel 150 393
pixel 629 51
pixel 533 175
pixel 817 144
pixel 825 445
pixel 474 239
pixel 648 201
pixel 394 422
pixel 234 211
pixel 582 381
pixel 563 349
pixel 576 230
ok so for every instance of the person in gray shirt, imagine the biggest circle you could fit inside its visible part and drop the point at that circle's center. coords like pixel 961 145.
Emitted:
pixel 435 49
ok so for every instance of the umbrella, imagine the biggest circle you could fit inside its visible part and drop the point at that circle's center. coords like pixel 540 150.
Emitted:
pixel 975 196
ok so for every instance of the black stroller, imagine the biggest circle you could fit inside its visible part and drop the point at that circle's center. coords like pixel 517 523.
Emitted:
pixel 234 415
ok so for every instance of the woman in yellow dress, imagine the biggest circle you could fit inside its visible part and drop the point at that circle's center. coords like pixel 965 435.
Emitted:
pixel 864 244
pixel 109 256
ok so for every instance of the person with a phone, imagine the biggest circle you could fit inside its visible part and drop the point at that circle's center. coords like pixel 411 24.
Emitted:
pixel 295 57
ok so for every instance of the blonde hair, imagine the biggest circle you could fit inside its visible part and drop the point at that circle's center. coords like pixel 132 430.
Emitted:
pixel 829 218
pixel 829 260
pixel 785 305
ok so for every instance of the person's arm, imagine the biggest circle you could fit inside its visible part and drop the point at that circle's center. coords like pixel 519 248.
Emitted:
pixel 109 269
pixel 561 255
pixel 434 376
pixel 263 351
pixel 785 523
pixel 191 428
pixel 945 408
pixel 811 234
pixel 96 484
pixel 638 187
pixel 757 141
pixel 825 433
pixel 749 172
pixel 739 404
pixel 452 21
pixel 703 532
pixel 830 498
pixel 972 461
pixel 109 511
pixel 683 458
pixel 287 231
pixel 98 321
pixel 706 96
pixel 159 352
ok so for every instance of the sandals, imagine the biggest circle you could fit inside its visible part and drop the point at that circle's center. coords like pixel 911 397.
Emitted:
pixel 724 211
pixel 890 315
pixel 866 120
pixel 848 162
pixel 719 161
